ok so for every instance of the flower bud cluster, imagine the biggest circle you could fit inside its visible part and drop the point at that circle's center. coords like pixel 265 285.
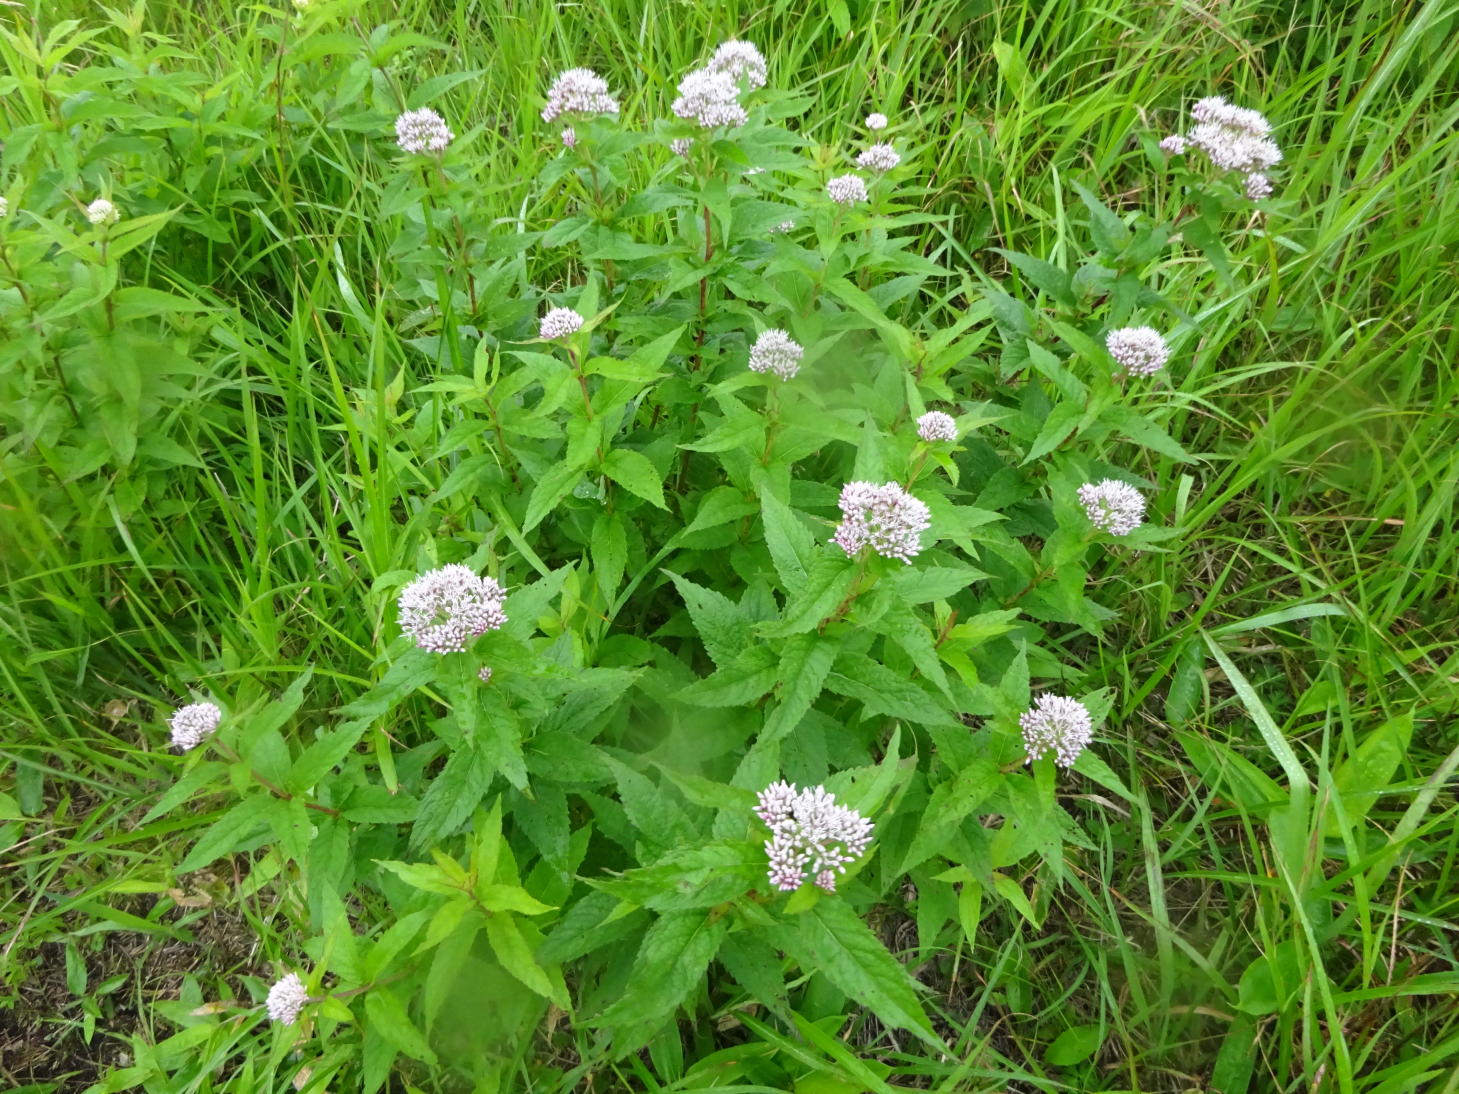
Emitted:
pixel 809 835
pixel 885 518
pixel 446 608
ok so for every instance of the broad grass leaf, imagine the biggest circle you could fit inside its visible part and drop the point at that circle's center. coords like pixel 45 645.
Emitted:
pixel 1371 768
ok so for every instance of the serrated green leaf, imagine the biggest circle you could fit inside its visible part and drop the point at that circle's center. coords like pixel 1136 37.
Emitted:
pixel 670 964
pixel 509 898
pixel 515 955
pixel 790 542
pixel 633 471
pixel 1075 1045
pixel 805 663
pixel 452 796
pixel 832 941
pixel 721 623
pixel 388 1018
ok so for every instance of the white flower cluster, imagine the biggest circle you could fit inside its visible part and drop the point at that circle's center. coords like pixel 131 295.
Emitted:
pixel 879 157
pixel 741 61
pixel 444 609
pixel 286 999
pixel 578 91
pixel 885 518
pixel 876 122
pixel 1140 351
pixel 680 145
pixel 847 190
pixel 937 426
pixel 810 834
pixel 776 352
pixel 710 100
pixel 1059 725
pixel 559 323
pixel 423 130
pixel 1113 506
pixel 193 724
pixel 710 96
pixel 1234 138
pixel 783 227
pixel 102 211
pixel 484 674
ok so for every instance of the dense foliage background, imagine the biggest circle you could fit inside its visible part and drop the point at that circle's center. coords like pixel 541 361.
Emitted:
pixel 302 369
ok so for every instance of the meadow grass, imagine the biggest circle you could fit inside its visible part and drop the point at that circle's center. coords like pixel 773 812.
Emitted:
pixel 1231 928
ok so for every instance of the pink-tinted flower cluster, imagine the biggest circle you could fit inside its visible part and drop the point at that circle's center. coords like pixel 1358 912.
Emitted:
pixel 809 835
pixel 579 91
pixel 193 724
pixel 446 608
pixel 1059 725
pixel 1141 351
pixel 1234 138
pixel 885 518
pixel 1113 506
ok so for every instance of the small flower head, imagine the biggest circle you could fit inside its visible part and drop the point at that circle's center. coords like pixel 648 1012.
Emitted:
pixel 193 724
pixel 879 157
pixel 680 145
pixel 444 609
pixel 1140 351
pixel 775 351
pixel 1173 145
pixel 1258 186
pixel 286 999
pixel 301 6
pixel 102 211
pixel 847 190
pixel 936 426
pixel 484 674
pixel 578 91
pixel 1113 506
pixel 741 61
pixel 4 208
pixel 1234 138
pixel 559 323
pixel 710 99
pixel 885 518
pixel 876 122
pixel 1059 725
pixel 783 227
pixel 809 834
pixel 423 130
